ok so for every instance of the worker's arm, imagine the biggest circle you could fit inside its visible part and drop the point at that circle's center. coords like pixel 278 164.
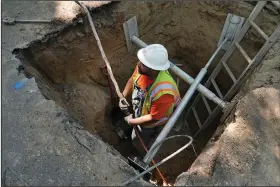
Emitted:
pixel 128 87
pixel 158 111
pixel 126 92
pixel 141 120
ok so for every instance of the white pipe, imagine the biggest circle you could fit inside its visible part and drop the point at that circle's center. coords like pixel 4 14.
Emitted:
pixel 162 161
pixel 187 78
pixel 172 120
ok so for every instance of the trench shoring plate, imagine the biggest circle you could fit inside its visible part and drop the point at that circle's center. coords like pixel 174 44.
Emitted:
pixel 130 29
pixel 231 29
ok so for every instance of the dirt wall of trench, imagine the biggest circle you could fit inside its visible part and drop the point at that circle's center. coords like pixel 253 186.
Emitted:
pixel 66 63
pixel 70 59
pixel 247 150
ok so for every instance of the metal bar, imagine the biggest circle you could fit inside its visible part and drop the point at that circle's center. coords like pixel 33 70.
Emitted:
pixel 255 62
pixel 180 73
pixel 167 128
pixel 196 117
pixel 255 12
pixel 241 34
pixel 229 71
pixel 162 161
pixel 225 58
pixel 196 100
pixel 259 29
pixel 172 120
pixel 206 104
pixel 243 52
pixel 215 53
pixel 217 88
pixel 33 21
pixel 208 120
pixel 188 127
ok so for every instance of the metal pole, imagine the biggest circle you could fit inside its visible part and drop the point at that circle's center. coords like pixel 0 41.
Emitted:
pixel 169 125
pixel 183 75
pixel 162 161
pixel 167 128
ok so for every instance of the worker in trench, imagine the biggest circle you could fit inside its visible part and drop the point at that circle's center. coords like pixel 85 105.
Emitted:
pixel 155 94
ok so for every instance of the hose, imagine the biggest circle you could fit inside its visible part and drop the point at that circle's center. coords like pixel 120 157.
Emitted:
pixel 144 146
pixel 163 160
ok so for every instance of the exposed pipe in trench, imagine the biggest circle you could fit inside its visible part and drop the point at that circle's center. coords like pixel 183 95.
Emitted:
pixel 183 75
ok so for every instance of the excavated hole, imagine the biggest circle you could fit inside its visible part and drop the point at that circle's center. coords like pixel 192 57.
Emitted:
pixel 66 64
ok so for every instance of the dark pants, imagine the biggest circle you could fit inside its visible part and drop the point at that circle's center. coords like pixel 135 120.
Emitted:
pixel 148 135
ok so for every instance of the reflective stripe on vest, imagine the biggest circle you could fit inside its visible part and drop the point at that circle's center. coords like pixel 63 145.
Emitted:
pixel 161 87
pixel 164 84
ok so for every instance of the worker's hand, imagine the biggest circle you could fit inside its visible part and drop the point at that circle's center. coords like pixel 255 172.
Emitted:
pixel 123 104
pixel 127 118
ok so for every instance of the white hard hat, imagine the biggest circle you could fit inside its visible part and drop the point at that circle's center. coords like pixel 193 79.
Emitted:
pixel 154 56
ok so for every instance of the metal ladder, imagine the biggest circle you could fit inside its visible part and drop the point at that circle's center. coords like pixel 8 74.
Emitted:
pixel 237 81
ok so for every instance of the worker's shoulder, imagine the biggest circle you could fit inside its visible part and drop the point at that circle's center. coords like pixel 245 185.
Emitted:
pixel 167 78
pixel 165 98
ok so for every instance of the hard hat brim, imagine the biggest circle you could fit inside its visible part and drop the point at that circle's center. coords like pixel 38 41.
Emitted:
pixel 142 58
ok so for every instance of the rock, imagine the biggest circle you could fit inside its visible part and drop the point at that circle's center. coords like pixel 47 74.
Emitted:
pixel 38 30
pixel 80 34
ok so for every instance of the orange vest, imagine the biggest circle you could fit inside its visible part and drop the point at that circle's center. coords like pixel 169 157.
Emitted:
pixel 164 84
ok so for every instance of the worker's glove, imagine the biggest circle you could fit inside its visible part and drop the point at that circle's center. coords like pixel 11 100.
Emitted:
pixel 127 118
pixel 123 104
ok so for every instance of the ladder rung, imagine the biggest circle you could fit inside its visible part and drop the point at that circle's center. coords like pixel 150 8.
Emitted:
pixel 217 88
pixel 229 71
pixel 243 52
pixel 206 104
pixel 259 29
pixel 188 127
pixel 196 117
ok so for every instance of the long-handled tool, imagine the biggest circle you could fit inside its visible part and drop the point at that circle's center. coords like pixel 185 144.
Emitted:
pixel 109 69
pixel 13 21
pixel 117 127
pixel 111 73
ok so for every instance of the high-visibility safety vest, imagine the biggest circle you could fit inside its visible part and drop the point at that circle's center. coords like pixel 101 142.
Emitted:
pixel 164 84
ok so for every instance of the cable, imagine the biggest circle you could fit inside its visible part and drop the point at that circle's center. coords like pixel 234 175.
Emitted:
pixel 194 151
pixel 163 160
pixel 168 138
pixel 144 146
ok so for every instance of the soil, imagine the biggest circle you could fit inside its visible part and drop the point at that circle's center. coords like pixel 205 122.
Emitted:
pixel 247 152
pixel 41 144
pixel 66 63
